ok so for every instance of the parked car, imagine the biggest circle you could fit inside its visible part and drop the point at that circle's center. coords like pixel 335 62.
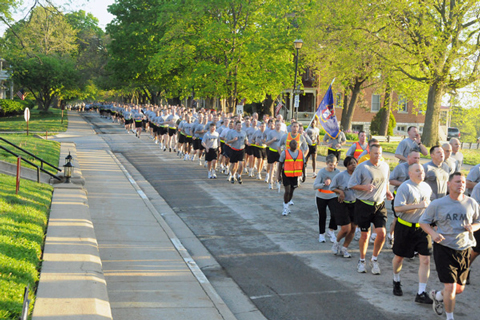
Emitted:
pixel 453 133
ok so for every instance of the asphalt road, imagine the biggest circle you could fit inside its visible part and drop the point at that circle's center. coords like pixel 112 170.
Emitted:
pixel 277 261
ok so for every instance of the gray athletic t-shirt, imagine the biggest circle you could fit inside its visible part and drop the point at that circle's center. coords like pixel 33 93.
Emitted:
pixel 340 181
pixel 367 173
pixel 313 134
pixel 240 143
pixel 450 217
pixel 405 147
pixel 259 138
pixel 400 173
pixel 211 140
pixel 275 145
pixel 459 157
pixel 319 183
pixel 339 139
pixel 198 129
pixel 452 163
pixel 411 193
pixel 437 178
pixel 474 176
pixel 476 193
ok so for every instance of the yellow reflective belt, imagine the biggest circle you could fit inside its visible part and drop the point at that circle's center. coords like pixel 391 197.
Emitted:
pixel 333 149
pixel 408 224
pixel 273 150
pixel 370 203
pixel 349 201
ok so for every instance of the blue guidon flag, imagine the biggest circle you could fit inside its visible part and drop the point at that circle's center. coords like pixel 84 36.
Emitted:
pixel 326 115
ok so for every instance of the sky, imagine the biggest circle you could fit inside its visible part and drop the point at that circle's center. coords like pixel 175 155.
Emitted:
pixel 96 7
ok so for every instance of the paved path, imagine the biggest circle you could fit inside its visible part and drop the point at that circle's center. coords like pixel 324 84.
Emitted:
pixel 277 261
pixel 148 272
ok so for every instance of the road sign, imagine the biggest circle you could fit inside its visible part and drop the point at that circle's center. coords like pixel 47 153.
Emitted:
pixel 27 114
pixel 296 101
pixel 239 109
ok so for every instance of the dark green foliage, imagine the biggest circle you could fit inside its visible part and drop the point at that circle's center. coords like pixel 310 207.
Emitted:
pixel 375 126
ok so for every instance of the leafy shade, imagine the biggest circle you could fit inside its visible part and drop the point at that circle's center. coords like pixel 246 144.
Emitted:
pixel 45 77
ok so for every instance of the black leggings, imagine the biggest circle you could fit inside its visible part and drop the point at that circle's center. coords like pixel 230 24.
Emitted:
pixel 322 213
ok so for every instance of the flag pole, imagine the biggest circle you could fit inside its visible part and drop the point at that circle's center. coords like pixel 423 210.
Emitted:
pixel 331 84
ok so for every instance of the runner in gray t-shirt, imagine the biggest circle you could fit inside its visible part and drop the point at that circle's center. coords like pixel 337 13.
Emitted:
pixel 476 250
pixel 473 178
pixel 437 172
pixel 413 142
pixel 412 197
pixel 456 217
pixel 370 182
pixel 345 211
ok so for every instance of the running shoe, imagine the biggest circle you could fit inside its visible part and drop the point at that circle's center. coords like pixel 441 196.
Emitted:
pixel 423 298
pixel 214 175
pixel 209 175
pixel 332 237
pixel 267 177
pixel 279 188
pixel 397 289
pixel 285 212
pixel 373 237
pixel 358 233
pixel 345 253
pixel 314 175
pixel 291 203
pixel 185 158
pixel 270 186
pixel 169 149
pixel 321 238
pixel 375 267
pixel 437 305
pixel 239 179
pixel 389 242
pixel 336 248
pixel 259 176
pixel 361 267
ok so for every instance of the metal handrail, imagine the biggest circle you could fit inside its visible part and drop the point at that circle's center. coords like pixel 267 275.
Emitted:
pixel 32 164
pixel 31 154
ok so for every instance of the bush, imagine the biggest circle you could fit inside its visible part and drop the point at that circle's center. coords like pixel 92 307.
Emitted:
pixel 11 107
pixel 377 120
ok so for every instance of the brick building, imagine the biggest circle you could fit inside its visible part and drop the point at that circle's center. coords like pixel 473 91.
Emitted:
pixel 368 104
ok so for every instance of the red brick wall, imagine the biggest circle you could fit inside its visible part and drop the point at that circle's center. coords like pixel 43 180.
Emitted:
pixel 363 111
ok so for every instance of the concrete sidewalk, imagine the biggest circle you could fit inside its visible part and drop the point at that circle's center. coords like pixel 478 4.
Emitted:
pixel 148 272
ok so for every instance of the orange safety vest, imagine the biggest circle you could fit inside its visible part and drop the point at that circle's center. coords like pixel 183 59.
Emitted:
pixel 293 167
pixel 289 138
pixel 358 150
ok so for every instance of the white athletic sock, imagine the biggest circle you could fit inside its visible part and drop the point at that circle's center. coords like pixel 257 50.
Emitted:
pixel 439 296
pixel 422 287
pixel 396 277
pixel 449 315
pixel 374 258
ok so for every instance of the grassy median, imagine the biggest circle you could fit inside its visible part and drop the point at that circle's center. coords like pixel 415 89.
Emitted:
pixel 44 149
pixel 23 220
pixel 39 122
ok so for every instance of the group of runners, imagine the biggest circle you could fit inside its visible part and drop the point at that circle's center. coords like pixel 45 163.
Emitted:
pixel 435 206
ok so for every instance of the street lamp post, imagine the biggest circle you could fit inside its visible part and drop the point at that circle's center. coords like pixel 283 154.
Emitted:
pixel 298 44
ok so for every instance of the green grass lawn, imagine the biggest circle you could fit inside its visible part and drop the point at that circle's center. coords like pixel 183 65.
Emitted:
pixel 45 149
pixel 39 122
pixel 23 220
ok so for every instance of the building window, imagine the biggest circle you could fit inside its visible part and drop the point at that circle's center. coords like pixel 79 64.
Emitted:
pixel 357 127
pixel 375 102
pixel 402 105
pixel 401 128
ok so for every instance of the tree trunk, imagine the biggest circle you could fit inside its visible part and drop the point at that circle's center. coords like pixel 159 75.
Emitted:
pixel 345 106
pixel 346 123
pixel 432 116
pixel 387 105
